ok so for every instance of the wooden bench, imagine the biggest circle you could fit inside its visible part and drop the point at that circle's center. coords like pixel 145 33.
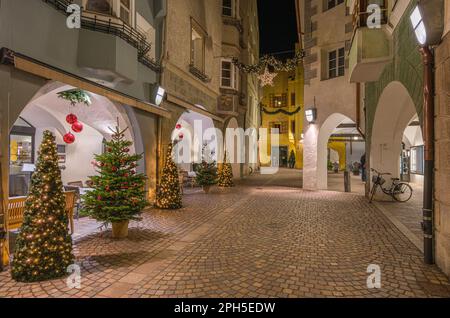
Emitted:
pixel 16 209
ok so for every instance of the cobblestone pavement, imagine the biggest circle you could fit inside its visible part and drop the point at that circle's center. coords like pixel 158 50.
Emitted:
pixel 260 239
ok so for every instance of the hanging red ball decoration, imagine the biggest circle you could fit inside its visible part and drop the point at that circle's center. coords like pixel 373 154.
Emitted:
pixel 178 126
pixel 69 138
pixel 77 127
pixel 71 119
pixel 181 136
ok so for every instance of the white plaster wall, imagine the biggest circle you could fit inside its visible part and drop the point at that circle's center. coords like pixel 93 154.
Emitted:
pixel 394 112
pixel 330 96
pixel 79 155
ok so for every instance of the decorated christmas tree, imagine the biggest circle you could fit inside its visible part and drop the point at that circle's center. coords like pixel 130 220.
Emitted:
pixel 118 194
pixel 168 195
pixel 44 247
pixel 206 171
pixel 225 174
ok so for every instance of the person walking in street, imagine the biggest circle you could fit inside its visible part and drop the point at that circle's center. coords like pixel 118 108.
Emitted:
pixel 292 160
pixel 363 168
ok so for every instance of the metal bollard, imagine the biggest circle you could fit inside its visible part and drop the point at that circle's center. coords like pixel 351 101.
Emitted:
pixel 347 182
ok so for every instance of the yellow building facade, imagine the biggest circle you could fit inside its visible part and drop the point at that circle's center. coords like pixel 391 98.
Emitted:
pixel 282 107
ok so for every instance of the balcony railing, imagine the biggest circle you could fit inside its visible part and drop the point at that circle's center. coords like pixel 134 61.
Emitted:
pixel 107 24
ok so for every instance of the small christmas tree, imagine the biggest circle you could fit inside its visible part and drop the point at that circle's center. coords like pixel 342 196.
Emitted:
pixel 118 194
pixel 206 171
pixel 44 247
pixel 168 195
pixel 226 174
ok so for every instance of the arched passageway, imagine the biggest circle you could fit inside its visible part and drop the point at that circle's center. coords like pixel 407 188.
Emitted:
pixel 46 111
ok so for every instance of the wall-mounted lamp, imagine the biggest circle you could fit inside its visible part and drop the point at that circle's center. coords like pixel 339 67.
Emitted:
pixel 158 94
pixel 427 20
pixel 311 115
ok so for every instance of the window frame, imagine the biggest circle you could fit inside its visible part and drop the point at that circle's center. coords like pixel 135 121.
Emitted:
pixel 195 26
pixel 232 8
pixel 339 60
pixel 334 4
pixel 116 6
pixel 234 74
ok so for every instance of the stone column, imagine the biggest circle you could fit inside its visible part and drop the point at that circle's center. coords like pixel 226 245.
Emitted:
pixel 310 157
pixel 442 155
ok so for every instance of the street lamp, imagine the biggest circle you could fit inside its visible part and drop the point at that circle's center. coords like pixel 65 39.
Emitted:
pixel 427 20
pixel 419 26
pixel 158 94
pixel 311 115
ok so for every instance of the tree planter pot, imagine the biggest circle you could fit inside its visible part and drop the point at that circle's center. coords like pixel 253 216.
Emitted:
pixel 206 189
pixel 120 229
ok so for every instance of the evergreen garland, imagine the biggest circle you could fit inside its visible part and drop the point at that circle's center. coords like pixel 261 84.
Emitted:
pixel 76 96
pixel 281 111
pixel 44 247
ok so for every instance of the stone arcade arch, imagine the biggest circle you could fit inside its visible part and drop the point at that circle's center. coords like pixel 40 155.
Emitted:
pixel 394 112
pixel 45 111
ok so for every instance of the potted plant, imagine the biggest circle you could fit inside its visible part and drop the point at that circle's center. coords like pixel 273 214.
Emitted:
pixel 118 194
pixel 206 171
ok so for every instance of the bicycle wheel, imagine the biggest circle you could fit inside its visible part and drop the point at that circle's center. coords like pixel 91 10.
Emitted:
pixel 402 192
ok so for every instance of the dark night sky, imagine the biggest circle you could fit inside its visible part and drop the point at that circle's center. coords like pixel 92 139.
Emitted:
pixel 277 25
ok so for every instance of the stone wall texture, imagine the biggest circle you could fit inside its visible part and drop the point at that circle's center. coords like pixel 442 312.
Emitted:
pixel 442 163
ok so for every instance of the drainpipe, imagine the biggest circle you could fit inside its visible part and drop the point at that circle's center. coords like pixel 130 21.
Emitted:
pixel 358 109
pixel 428 136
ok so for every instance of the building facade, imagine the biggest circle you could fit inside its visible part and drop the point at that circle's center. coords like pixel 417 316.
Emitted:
pixel 327 32
pixel 282 108
pixel 388 64
pixel 202 83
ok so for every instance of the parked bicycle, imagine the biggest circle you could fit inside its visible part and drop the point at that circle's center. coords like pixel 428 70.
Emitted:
pixel 400 191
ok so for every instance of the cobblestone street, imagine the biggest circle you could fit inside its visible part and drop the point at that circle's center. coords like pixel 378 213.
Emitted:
pixel 264 238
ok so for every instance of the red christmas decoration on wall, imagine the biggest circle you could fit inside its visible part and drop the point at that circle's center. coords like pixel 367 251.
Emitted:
pixel 71 119
pixel 178 126
pixel 69 138
pixel 181 136
pixel 77 127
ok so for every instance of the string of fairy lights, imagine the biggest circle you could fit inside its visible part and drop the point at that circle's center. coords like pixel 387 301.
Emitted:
pixel 268 66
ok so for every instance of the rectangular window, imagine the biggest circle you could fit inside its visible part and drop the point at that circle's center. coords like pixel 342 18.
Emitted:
pixel 100 6
pixel 278 101
pixel 125 11
pixel 293 99
pixel 197 47
pixel 417 160
pixel 281 126
pixel 227 74
pixel 333 3
pixel 293 127
pixel 336 63
pixel 227 8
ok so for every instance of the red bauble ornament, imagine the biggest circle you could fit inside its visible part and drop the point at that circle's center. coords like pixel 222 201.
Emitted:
pixel 71 119
pixel 77 127
pixel 126 150
pixel 69 138
pixel 178 126
pixel 181 136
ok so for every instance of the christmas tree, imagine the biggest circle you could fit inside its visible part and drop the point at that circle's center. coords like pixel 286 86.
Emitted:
pixel 44 247
pixel 206 171
pixel 225 174
pixel 168 195
pixel 118 193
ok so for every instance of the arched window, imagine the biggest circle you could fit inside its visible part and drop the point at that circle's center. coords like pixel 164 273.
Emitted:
pixel 100 6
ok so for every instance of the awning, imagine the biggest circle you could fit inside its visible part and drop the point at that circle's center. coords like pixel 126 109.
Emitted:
pixel 42 70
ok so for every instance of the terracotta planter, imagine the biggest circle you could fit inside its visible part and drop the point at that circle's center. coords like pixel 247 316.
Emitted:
pixel 206 189
pixel 120 229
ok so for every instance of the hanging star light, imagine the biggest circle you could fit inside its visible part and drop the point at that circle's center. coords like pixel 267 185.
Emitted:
pixel 267 78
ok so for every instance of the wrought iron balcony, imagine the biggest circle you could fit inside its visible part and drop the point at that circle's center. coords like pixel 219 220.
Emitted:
pixel 112 25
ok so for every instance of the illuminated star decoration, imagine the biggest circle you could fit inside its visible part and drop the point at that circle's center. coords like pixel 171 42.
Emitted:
pixel 266 78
